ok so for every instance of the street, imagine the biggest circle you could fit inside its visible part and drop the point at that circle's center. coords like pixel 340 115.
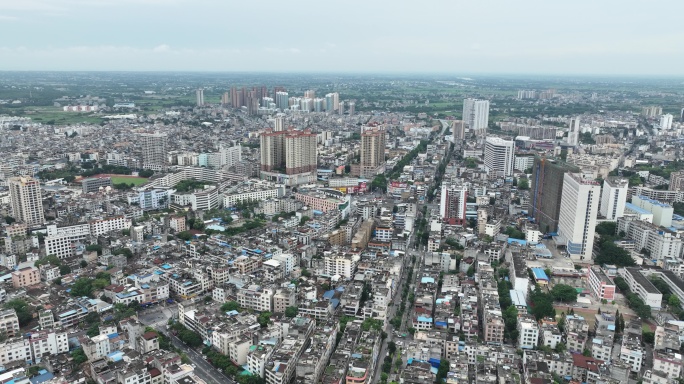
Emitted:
pixel 158 318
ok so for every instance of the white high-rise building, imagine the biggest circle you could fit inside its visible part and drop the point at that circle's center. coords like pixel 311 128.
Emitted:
pixel 666 121
pixel 230 156
pixel 200 97
pixel 26 200
pixel 332 102
pixel 279 123
pixel 476 115
pixel 574 131
pixel 613 198
pixel 498 156
pixel 282 100
pixel 577 218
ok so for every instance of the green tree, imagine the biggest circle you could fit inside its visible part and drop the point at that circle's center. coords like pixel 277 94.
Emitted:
pixel 79 356
pixel 264 319
pixel 673 301
pixel 230 306
pixel 24 311
pixel 9 220
pixel 64 270
pixel 523 184
pixel 82 288
pixel 185 235
pixel 564 293
pixel 190 338
pixel 291 311
pixel 95 247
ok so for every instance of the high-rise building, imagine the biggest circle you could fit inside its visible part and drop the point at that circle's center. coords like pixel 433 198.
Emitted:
pixel 373 141
pixel 237 97
pixel 547 189
pixel 267 102
pixel 310 94
pixel 154 150
pixel 498 156
pixel 332 102
pixel 458 130
pixel 666 122
pixel 252 102
pixel 289 152
pixel 577 220
pixel 319 105
pixel 26 200
pixel 352 108
pixel 306 104
pixel 200 97
pixel 230 156
pixel 282 101
pixel 476 115
pixel 341 108
pixel 681 116
pixel 574 131
pixel 452 205
pixel 677 181
pixel 613 198
pixel 652 111
pixel 279 123
pixel 225 99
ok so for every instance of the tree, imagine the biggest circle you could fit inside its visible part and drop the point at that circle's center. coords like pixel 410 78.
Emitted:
pixel 23 310
pixel 673 301
pixel 79 356
pixel 443 370
pixel 264 319
pixel 564 293
pixel 523 184
pixel 230 306
pixel 542 304
pixel 184 235
pixel 471 271
pixel 64 270
pixel 291 311
pixel 190 338
pixel 95 247
pixel 9 220
pixel 83 264
pixel 606 228
pixel 49 259
pixel 82 288
pixel 347 168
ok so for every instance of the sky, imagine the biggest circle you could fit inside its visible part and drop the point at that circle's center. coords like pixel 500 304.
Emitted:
pixel 598 37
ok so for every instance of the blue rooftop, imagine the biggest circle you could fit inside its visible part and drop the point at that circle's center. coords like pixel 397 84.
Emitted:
pixel 539 274
pixel 636 209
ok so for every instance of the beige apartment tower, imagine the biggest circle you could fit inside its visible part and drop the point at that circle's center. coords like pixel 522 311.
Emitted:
pixel 373 140
pixel 289 152
pixel 26 200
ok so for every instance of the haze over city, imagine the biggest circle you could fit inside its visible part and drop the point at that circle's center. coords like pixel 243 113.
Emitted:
pixel 528 37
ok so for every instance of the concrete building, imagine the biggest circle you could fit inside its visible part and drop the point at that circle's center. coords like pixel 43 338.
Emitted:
pixel 577 218
pixel 452 206
pixel 9 323
pixel 154 147
pixel 573 131
pixel 26 200
pixel 25 277
pixel 200 97
pixel 528 333
pixel 662 212
pixel 642 286
pixel 677 181
pixel 289 152
pixel 498 156
pixel 666 122
pixel 373 141
pixel 546 192
pixel 613 198
pixel 458 130
pixel 599 283
pixel 94 184
pixel 476 115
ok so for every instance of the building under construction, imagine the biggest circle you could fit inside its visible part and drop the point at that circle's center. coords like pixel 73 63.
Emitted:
pixel 547 190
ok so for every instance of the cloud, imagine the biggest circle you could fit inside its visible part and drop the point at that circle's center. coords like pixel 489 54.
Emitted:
pixel 8 18
pixel 161 48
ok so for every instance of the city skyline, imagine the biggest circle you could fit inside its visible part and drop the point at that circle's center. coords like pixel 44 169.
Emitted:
pixel 520 38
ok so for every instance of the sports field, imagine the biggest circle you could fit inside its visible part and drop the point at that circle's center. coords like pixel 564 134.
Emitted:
pixel 128 180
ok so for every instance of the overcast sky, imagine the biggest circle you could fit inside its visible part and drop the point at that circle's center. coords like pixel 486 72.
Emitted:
pixel 449 36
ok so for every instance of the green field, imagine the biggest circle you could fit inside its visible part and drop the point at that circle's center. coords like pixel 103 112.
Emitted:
pixel 55 116
pixel 129 180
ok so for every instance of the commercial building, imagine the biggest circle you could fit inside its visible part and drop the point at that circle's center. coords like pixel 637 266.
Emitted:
pixel 577 219
pixel 498 156
pixel 546 193
pixel 373 141
pixel 476 115
pixel 613 198
pixel 154 147
pixel 26 200
pixel 452 205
